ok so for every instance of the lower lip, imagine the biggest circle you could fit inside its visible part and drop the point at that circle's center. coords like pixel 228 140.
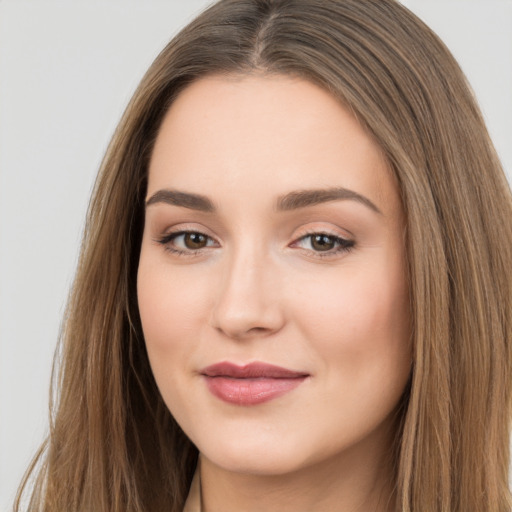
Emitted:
pixel 251 391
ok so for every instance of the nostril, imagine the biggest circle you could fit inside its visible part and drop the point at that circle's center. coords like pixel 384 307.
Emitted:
pixel 239 332
pixel 246 303
pixel 247 326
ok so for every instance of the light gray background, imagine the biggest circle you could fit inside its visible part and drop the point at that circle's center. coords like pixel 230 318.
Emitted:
pixel 67 69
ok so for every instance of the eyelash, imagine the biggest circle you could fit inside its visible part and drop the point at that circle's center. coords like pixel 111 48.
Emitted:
pixel 341 244
pixel 167 239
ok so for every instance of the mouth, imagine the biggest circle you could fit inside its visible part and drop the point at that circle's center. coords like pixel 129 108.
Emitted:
pixel 251 384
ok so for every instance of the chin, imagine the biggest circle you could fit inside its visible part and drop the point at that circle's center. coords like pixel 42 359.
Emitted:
pixel 263 463
pixel 254 455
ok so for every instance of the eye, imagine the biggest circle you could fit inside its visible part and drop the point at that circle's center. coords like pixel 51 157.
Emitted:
pixel 186 242
pixel 324 243
pixel 193 240
pixel 321 242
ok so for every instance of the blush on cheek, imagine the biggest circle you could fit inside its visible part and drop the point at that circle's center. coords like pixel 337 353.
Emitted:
pixel 357 318
pixel 158 294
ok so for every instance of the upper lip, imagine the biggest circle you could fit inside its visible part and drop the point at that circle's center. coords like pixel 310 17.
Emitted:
pixel 252 370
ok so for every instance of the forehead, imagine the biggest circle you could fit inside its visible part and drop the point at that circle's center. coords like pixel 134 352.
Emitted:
pixel 268 135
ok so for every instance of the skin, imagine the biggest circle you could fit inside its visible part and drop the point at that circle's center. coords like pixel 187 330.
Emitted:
pixel 261 290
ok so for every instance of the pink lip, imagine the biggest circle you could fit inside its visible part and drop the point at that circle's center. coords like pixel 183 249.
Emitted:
pixel 251 384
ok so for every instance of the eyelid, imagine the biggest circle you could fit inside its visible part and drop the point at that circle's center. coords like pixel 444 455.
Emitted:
pixel 166 239
pixel 342 242
pixel 322 228
pixel 345 244
pixel 185 227
pixel 177 234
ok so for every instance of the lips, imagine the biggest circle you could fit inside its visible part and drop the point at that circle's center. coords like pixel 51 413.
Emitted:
pixel 251 384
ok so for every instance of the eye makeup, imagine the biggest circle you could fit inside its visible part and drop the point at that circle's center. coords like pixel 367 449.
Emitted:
pixel 190 243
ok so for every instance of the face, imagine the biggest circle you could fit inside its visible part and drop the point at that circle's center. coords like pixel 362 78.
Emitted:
pixel 271 285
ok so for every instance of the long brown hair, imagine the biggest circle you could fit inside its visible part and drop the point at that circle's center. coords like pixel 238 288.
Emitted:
pixel 114 446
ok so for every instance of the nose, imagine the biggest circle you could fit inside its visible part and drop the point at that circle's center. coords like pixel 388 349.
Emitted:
pixel 249 302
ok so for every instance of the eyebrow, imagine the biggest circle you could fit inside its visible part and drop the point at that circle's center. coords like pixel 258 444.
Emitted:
pixel 291 201
pixel 303 198
pixel 183 199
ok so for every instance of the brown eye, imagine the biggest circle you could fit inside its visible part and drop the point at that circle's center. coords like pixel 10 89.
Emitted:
pixel 322 242
pixel 195 240
pixel 186 242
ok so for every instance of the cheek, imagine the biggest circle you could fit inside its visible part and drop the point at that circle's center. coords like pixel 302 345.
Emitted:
pixel 170 303
pixel 171 313
pixel 360 318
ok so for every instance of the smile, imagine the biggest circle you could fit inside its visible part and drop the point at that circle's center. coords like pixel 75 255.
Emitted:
pixel 251 384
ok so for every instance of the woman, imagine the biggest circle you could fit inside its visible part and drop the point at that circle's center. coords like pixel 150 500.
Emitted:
pixel 294 287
